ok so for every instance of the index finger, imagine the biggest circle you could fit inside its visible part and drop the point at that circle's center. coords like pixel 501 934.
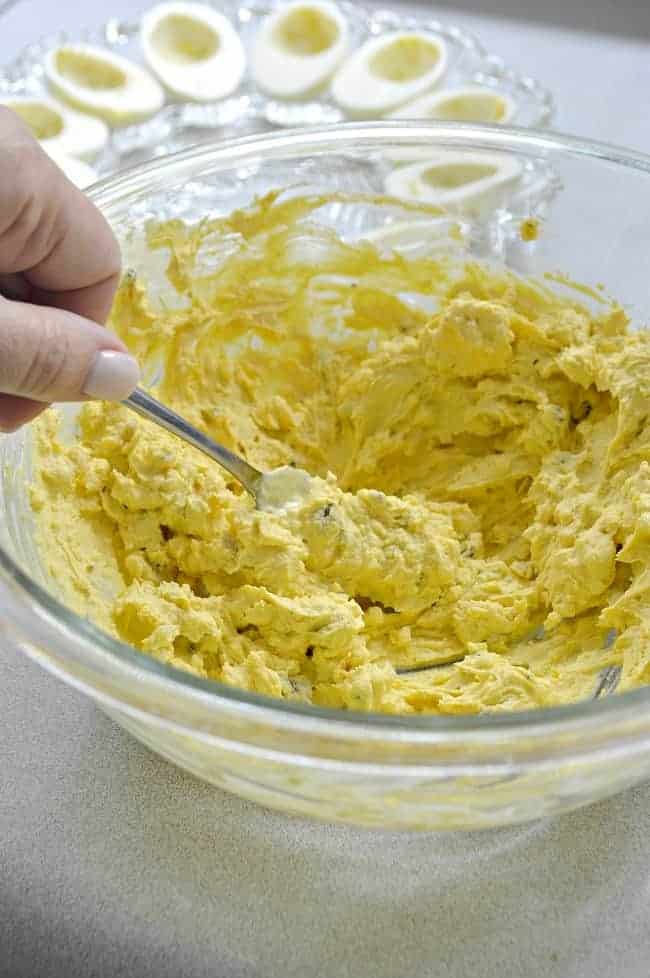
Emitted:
pixel 49 231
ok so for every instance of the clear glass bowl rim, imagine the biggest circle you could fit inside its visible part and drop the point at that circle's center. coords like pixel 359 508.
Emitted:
pixel 41 618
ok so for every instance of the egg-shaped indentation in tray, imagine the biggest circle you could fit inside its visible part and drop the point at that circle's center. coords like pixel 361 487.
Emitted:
pixel 248 109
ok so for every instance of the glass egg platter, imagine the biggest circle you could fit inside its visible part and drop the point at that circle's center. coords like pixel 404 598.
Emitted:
pixel 177 121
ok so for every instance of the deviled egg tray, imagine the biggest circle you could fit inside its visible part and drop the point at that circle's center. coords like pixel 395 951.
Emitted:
pixel 197 71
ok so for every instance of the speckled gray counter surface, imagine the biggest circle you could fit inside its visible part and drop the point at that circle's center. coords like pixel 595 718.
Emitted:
pixel 113 863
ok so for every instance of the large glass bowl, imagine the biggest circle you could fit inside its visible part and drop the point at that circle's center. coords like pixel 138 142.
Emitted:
pixel 418 773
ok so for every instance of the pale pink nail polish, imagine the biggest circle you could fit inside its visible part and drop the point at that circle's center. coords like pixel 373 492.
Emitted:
pixel 112 377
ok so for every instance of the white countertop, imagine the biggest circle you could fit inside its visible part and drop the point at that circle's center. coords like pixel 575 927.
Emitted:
pixel 112 862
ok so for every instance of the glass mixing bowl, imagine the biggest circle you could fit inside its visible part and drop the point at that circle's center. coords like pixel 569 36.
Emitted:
pixel 593 204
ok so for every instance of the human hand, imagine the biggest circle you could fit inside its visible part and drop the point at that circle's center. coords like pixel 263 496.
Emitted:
pixel 59 268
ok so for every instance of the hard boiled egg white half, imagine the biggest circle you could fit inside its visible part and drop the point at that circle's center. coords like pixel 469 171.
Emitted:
pixel 102 83
pixel 388 71
pixel 298 48
pixel 421 238
pixel 59 128
pixel 194 50
pixel 471 183
pixel 471 104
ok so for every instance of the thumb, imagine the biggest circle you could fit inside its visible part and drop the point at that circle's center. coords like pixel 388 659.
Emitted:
pixel 49 354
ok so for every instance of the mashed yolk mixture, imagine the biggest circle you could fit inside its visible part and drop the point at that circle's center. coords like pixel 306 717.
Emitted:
pixel 477 532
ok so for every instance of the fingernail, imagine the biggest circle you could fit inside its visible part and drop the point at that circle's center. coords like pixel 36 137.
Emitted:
pixel 112 377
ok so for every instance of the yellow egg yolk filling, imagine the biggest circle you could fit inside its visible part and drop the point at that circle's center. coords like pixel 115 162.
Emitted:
pixel 477 533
